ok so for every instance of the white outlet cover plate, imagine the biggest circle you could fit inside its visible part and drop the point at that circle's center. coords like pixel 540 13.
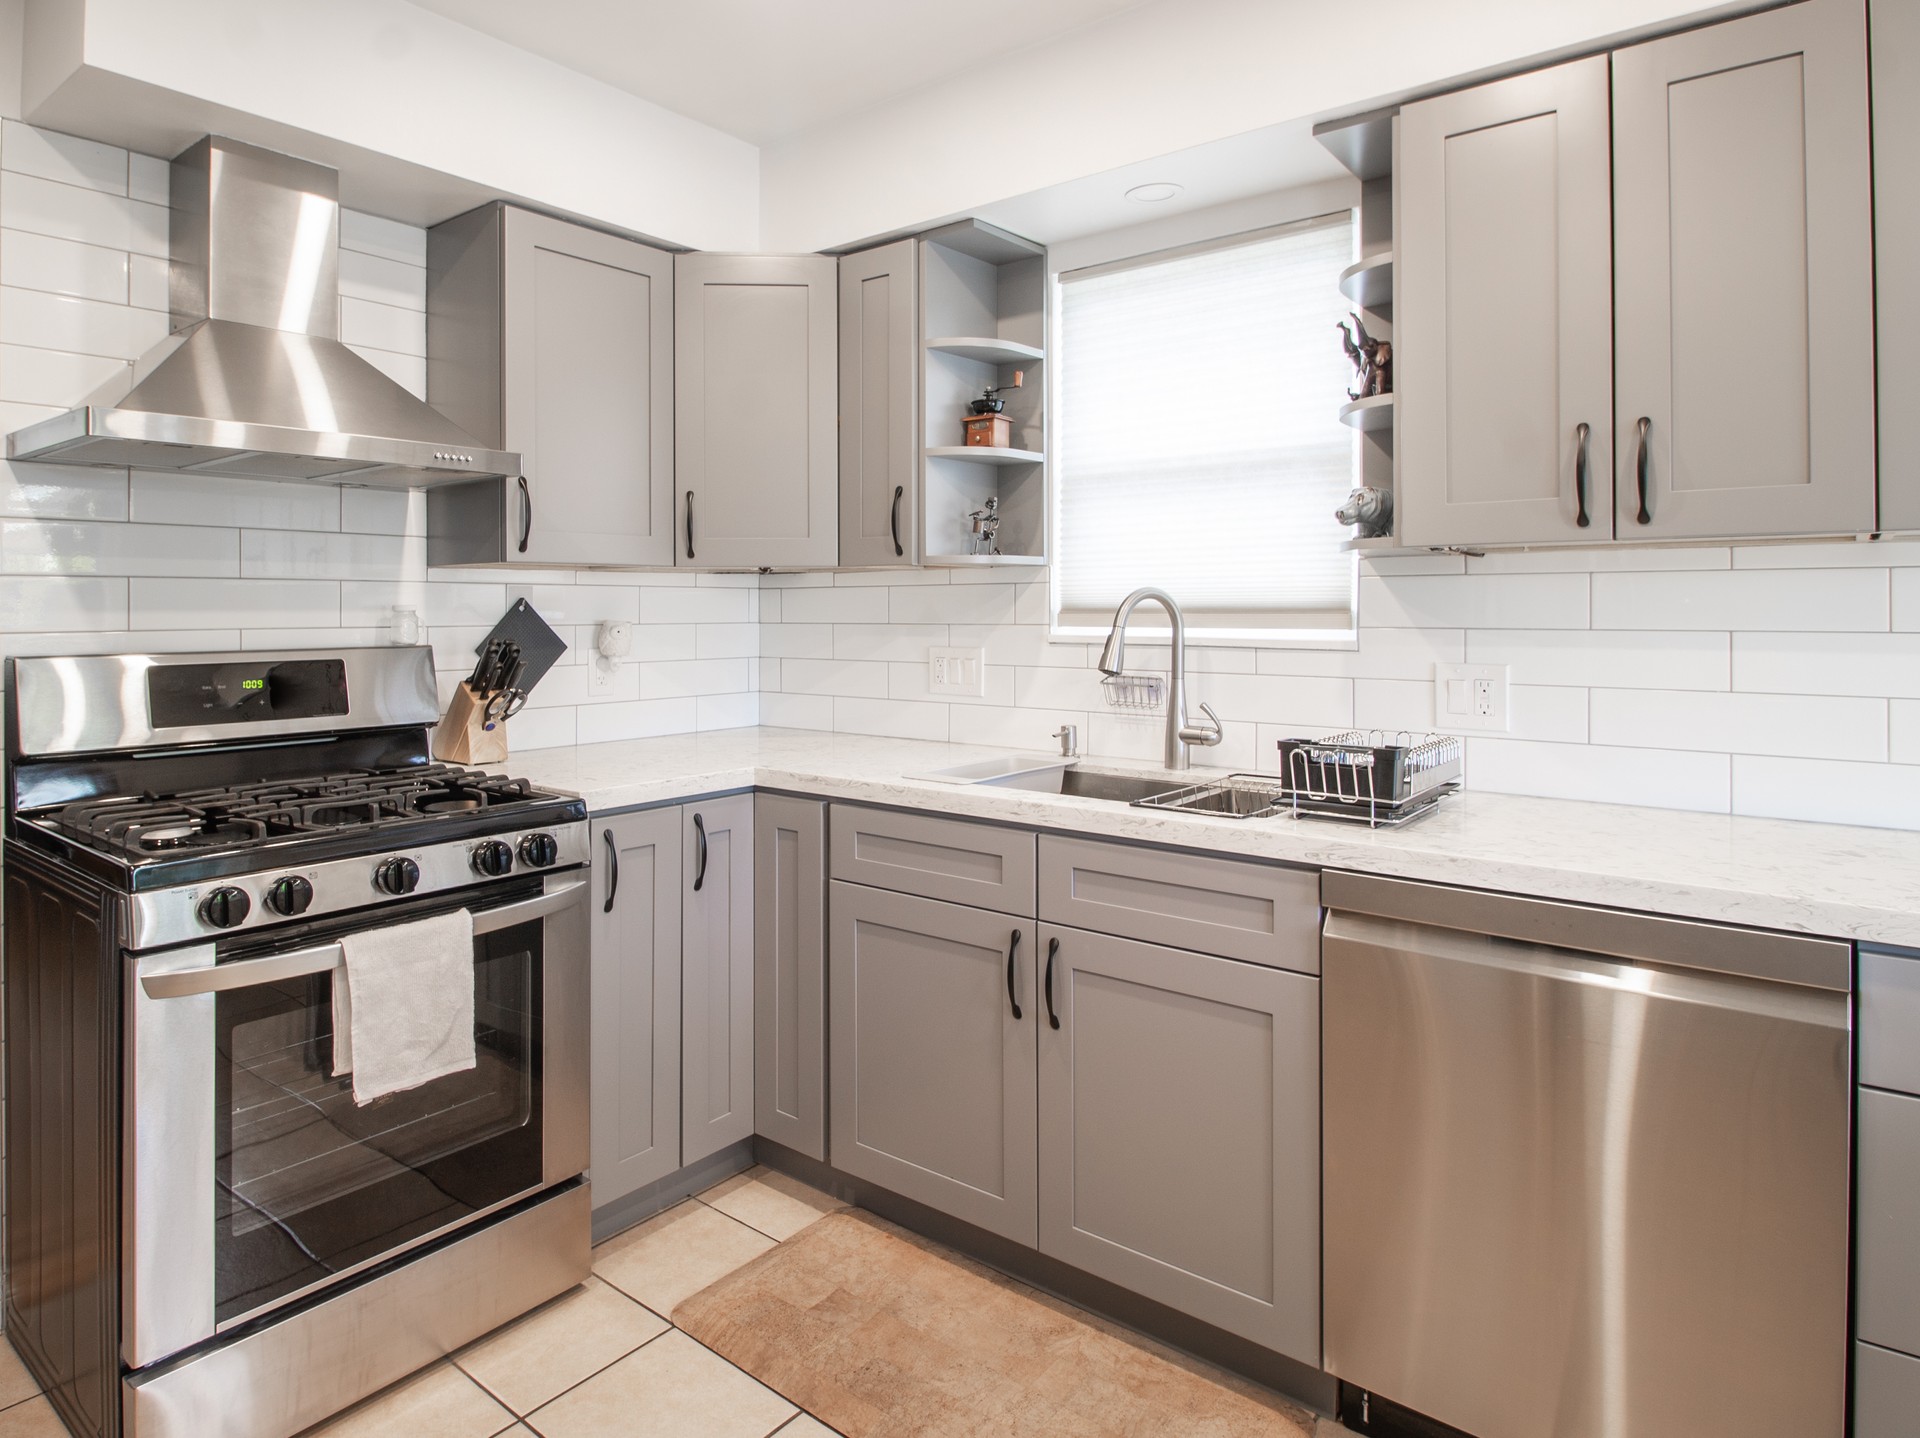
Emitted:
pixel 1472 698
pixel 603 675
pixel 961 672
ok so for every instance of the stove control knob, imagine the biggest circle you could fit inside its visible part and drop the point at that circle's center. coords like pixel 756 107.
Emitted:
pixel 493 858
pixel 224 908
pixel 539 850
pixel 397 876
pixel 289 896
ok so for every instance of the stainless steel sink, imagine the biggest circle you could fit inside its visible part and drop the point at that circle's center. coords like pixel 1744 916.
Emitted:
pixel 1085 784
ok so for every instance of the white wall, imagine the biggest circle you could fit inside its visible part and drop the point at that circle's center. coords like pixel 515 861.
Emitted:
pixel 108 561
pixel 393 96
pixel 1145 83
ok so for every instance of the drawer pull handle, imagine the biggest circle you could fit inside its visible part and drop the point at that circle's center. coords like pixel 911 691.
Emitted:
pixel 1013 1001
pixel 1053 947
pixel 898 491
pixel 1580 476
pixel 613 871
pixel 700 833
pixel 1645 516
pixel 526 514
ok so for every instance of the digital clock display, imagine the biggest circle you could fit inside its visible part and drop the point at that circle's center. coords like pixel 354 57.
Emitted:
pixel 182 696
pixel 253 684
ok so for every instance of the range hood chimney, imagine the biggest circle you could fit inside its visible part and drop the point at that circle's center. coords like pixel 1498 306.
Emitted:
pixel 254 381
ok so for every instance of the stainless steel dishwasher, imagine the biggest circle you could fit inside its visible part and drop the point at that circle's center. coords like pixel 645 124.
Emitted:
pixel 1586 1171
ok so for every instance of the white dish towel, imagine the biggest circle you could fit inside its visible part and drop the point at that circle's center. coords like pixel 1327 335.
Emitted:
pixel 403 1005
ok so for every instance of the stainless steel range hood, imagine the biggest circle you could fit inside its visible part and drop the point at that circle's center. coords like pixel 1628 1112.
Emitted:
pixel 254 380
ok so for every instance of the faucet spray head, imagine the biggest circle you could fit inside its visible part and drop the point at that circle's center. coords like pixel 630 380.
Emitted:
pixel 1113 658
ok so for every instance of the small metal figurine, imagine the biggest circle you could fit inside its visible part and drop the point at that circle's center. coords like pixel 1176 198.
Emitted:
pixel 1372 360
pixel 1371 509
pixel 985 536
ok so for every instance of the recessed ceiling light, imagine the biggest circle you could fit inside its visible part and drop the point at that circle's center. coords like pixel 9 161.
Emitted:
pixel 1154 193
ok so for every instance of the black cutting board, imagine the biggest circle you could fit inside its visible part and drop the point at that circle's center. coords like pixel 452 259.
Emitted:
pixel 540 647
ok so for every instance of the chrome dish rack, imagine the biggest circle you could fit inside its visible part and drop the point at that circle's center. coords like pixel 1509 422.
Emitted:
pixel 1377 779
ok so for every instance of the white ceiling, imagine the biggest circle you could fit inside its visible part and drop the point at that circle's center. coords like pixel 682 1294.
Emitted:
pixel 764 69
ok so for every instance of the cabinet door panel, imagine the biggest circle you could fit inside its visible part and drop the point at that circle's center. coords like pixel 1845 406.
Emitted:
pixel 588 386
pixel 1180 1132
pixel 1886 1255
pixel 1896 219
pixel 933 1076
pixel 1502 311
pixel 789 972
pixel 880 365
pixel 636 1002
pixel 716 842
pixel 756 381
pixel 1744 282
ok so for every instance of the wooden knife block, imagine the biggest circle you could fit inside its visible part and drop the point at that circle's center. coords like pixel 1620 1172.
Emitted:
pixel 462 735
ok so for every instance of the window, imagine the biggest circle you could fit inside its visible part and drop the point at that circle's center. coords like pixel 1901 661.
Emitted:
pixel 1199 447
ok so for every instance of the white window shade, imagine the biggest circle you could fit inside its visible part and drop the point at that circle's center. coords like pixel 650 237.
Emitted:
pixel 1198 444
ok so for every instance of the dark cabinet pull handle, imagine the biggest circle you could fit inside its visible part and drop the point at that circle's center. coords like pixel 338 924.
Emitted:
pixel 1013 1001
pixel 1053 947
pixel 898 490
pixel 700 869
pixel 1580 477
pixel 613 871
pixel 1645 516
pixel 689 524
pixel 526 514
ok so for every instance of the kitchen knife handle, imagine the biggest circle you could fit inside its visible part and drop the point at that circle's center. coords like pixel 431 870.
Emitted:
pixel 894 520
pixel 1013 1001
pixel 1053 1017
pixel 700 833
pixel 689 524
pixel 613 871
pixel 1645 516
pixel 1580 476
pixel 526 513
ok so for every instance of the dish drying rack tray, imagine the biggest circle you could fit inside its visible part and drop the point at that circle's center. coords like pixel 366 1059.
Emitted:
pixel 1374 778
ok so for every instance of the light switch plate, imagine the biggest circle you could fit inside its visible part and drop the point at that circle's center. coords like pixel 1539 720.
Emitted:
pixel 957 671
pixel 1471 697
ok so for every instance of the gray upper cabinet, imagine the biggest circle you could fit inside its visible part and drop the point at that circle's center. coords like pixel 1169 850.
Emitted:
pixel 555 341
pixel 716 968
pixel 1180 1131
pixel 789 972
pixel 756 411
pixel 933 1054
pixel 1896 213
pixel 1503 312
pixel 880 406
pixel 1744 278
pixel 635 1093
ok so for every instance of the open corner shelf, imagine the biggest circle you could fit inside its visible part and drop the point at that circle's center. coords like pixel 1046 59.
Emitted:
pixel 985 454
pixel 970 561
pixel 986 349
pixel 1373 412
pixel 1369 284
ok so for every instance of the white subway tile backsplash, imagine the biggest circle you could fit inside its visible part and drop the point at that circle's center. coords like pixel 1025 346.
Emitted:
pixel 161 497
pixel 48 377
pixel 1866 664
pixel 29 603
pixel 1022 728
pixel 382 511
pixel 726 711
pixel 1906 600
pixel 47 321
pixel 541 729
pixel 389 239
pixel 214 603
pixel 1613 559
pixel 119 641
pixel 797 641
pixel 1827 790
pixel 1474 601
pixel 694 605
pixel 1903 731
pixel 897 718
pixel 797 711
pixel 1787 724
pixel 1663 779
pixel 320 554
pixel 1613 658
pixel 382 280
pixel 62 267
pixel 578 604
pixel 912 681
pixel 406 370
pixel 383 326
pixel 727 641
pixel 835 606
pixel 948 604
pixel 47 207
pixel 149 178
pixel 358 637
pixel 1840 554
pixel 888 642
pixel 1382 654
pixel 687 678
pixel 643 719
pixel 58 491
pixel 1801 599
pixel 854 679
pixel 66 158
pixel 31 546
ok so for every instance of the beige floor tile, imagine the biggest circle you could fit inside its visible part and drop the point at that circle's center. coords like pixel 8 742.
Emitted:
pixel 770 1201
pixel 34 1419
pixel 1327 1428
pixel 440 1402
pixel 16 1384
pixel 807 1426
pixel 672 1388
pixel 571 1339
pixel 676 1254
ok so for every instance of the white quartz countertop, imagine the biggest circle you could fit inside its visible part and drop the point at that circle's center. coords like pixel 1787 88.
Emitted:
pixel 1823 879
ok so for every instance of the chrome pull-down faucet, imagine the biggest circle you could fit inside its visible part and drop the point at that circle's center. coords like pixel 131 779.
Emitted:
pixel 1181 735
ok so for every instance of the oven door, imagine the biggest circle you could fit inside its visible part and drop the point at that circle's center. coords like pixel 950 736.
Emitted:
pixel 253 1180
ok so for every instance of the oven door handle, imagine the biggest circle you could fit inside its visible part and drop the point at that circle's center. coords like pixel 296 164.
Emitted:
pixel 222 978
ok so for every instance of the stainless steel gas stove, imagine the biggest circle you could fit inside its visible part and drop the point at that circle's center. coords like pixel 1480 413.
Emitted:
pixel 206 1234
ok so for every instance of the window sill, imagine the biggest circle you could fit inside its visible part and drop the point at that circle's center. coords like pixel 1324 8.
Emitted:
pixel 1202 638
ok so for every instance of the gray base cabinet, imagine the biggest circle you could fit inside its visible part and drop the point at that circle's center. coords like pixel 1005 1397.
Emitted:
pixel 789 972
pixel 1180 1131
pixel 635 1088
pixel 933 1054
pixel 716 975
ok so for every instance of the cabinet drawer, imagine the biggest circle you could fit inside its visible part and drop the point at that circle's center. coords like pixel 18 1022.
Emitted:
pixel 1239 910
pixel 1886 1392
pixel 1887 1260
pixel 983 865
pixel 1890 1020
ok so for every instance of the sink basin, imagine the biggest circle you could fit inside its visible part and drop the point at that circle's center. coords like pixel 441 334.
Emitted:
pixel 1084 784
pixel 1001 769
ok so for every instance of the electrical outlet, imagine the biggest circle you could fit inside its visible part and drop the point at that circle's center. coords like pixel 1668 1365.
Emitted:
pixel 957 671
pixel 1471 697
pixel 603 675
